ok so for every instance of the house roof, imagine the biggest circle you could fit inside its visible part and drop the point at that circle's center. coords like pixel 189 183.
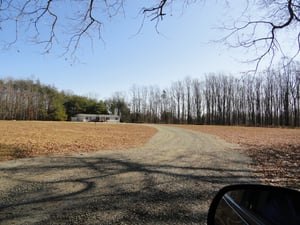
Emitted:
pixel 94 115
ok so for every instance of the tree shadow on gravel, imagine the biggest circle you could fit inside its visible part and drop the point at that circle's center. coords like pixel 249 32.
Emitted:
pixel 107 190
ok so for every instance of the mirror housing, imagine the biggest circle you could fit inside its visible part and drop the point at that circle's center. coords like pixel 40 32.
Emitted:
pixel 255 205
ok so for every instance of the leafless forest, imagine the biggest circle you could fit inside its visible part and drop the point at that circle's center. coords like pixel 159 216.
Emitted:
pixel 271 98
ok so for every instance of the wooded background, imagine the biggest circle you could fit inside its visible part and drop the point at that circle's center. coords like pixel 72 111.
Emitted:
pixel 270 98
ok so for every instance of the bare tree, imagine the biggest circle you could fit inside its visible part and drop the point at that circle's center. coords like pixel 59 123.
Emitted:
pixel 188 87
pixel 144 102
pixel 48 24
pixel 264 30
pixel 176 90
pixel 197 92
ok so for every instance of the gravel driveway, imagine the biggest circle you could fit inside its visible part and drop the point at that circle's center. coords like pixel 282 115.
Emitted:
pixel 171 180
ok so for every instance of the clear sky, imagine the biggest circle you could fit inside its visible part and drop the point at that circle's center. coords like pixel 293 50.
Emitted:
pixel 181 49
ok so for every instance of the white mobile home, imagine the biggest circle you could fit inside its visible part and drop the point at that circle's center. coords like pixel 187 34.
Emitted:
pixel 96 118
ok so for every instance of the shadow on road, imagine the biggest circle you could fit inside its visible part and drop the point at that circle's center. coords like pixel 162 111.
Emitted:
pixel 106 190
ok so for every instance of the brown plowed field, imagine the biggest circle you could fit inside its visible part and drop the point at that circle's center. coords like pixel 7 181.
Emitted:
pixel 20 139
pixel 275 151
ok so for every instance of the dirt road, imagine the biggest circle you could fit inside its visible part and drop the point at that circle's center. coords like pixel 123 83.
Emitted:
pixel 171 180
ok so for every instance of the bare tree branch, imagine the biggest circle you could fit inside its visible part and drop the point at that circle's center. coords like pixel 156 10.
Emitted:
pixel 284 15
pixel 87 22
pixel 156 11
pixel 47 24
pixel 43 20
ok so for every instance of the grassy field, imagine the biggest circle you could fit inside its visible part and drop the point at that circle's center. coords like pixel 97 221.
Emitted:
pixel 275 151
pixel 21 139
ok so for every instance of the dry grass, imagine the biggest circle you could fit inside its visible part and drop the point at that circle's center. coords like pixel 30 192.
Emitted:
pixel 253 136
pixel 275 151
pixel 20 139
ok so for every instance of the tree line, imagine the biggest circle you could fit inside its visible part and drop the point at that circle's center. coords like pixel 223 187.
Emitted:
pixel 31 100
pixel 271 98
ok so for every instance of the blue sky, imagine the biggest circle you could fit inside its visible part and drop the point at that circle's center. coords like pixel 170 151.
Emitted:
pixel 182 48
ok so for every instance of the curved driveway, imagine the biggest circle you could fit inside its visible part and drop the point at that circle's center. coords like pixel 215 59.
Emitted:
pixel 171 180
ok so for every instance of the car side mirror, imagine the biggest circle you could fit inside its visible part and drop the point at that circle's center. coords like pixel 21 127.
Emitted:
pixel 255 205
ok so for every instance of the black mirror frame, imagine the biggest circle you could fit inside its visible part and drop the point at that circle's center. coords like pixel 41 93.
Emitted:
pixel 260 187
